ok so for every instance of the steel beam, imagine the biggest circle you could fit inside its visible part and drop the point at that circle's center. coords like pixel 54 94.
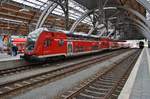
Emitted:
pixel 50 7
pixel 79 20
pixel 92 29
pixel 142 25
pixel 102 32
pixel 85 15
pixel 144 31
pixel 145 4
pixel 134 12
pixel 110 33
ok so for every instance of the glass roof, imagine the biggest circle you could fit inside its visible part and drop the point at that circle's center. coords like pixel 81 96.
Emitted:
pixel 147 15
pixel 75 9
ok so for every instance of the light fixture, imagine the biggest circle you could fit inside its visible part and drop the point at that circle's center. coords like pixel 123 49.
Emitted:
pixel 24 10
pixel 57 19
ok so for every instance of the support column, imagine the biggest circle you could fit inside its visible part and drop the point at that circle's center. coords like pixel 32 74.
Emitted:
pixel 66 15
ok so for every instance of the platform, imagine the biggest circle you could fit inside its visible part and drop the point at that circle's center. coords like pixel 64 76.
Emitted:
pixel 138 83
pixel 6 57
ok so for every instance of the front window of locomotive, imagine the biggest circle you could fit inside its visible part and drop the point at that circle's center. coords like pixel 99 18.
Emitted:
pixel 32 38
pixel 30 44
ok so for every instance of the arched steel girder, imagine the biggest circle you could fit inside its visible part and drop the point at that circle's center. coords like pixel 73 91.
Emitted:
pixel 144 26
pixel 122 7
pixel 102 32
pixel 143 29
pixel 145 4
pixel 92 29
pixel 140 28
pixel 139 16
pixel 80 19
pixel 96 26
pixel 50 7
pixel 134 12
pixel 147 34
pixel 85 15
pixel 110 33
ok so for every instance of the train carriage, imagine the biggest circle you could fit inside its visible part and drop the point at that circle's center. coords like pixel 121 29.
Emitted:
pixel 46 44
pixel 43 44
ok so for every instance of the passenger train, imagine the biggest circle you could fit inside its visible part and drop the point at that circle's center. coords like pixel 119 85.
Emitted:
pixel 44 44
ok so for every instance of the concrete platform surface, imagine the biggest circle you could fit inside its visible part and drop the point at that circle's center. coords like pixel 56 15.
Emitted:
pixel 138 83
pixel 6 57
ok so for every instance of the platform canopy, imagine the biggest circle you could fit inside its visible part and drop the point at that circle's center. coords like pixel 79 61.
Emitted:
pixel 94 17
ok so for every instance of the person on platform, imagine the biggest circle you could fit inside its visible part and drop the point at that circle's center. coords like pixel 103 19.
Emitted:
pixel 14 50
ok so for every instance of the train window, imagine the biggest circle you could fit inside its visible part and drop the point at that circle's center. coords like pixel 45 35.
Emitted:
pixel 47 43
pixel 61 42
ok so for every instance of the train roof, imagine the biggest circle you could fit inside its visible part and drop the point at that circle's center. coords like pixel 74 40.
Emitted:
pixel 35 34
pixel 77 35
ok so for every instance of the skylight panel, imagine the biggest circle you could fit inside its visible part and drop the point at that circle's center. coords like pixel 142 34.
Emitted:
pixel 35 2
pixel 71 17
pixel 58 10
pixel 19 1
pixel 57 13
pixel 75 10
pixel 31 4
pixel 43 1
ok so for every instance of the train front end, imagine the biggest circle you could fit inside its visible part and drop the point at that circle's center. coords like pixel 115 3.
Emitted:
pixel 30 49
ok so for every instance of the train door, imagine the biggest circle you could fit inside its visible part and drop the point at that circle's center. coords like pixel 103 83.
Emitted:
pixel 46 46
pixel 69 49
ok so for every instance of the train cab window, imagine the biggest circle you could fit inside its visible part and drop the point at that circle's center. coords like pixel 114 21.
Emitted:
pixel 47 43
pixel 61 42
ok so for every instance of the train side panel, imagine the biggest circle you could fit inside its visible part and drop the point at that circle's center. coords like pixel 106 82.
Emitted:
pixel 56 44
pixel 104 43
pixel 51 44
pixel 84 46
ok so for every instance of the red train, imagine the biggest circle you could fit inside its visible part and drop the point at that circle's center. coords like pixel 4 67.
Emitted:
pixel 44 44
pixel 20 43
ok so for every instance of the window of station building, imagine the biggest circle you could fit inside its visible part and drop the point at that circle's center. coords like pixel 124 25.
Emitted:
pixel 61 42
pixel 47 43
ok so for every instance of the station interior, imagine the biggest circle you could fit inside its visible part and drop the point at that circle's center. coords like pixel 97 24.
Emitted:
pixel 74 49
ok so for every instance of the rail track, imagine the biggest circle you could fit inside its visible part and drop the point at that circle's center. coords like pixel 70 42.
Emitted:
pixel 19 69
pixel 11 87
pixel 106 85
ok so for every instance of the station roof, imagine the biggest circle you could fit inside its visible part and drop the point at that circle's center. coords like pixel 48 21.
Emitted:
pixel 21 16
